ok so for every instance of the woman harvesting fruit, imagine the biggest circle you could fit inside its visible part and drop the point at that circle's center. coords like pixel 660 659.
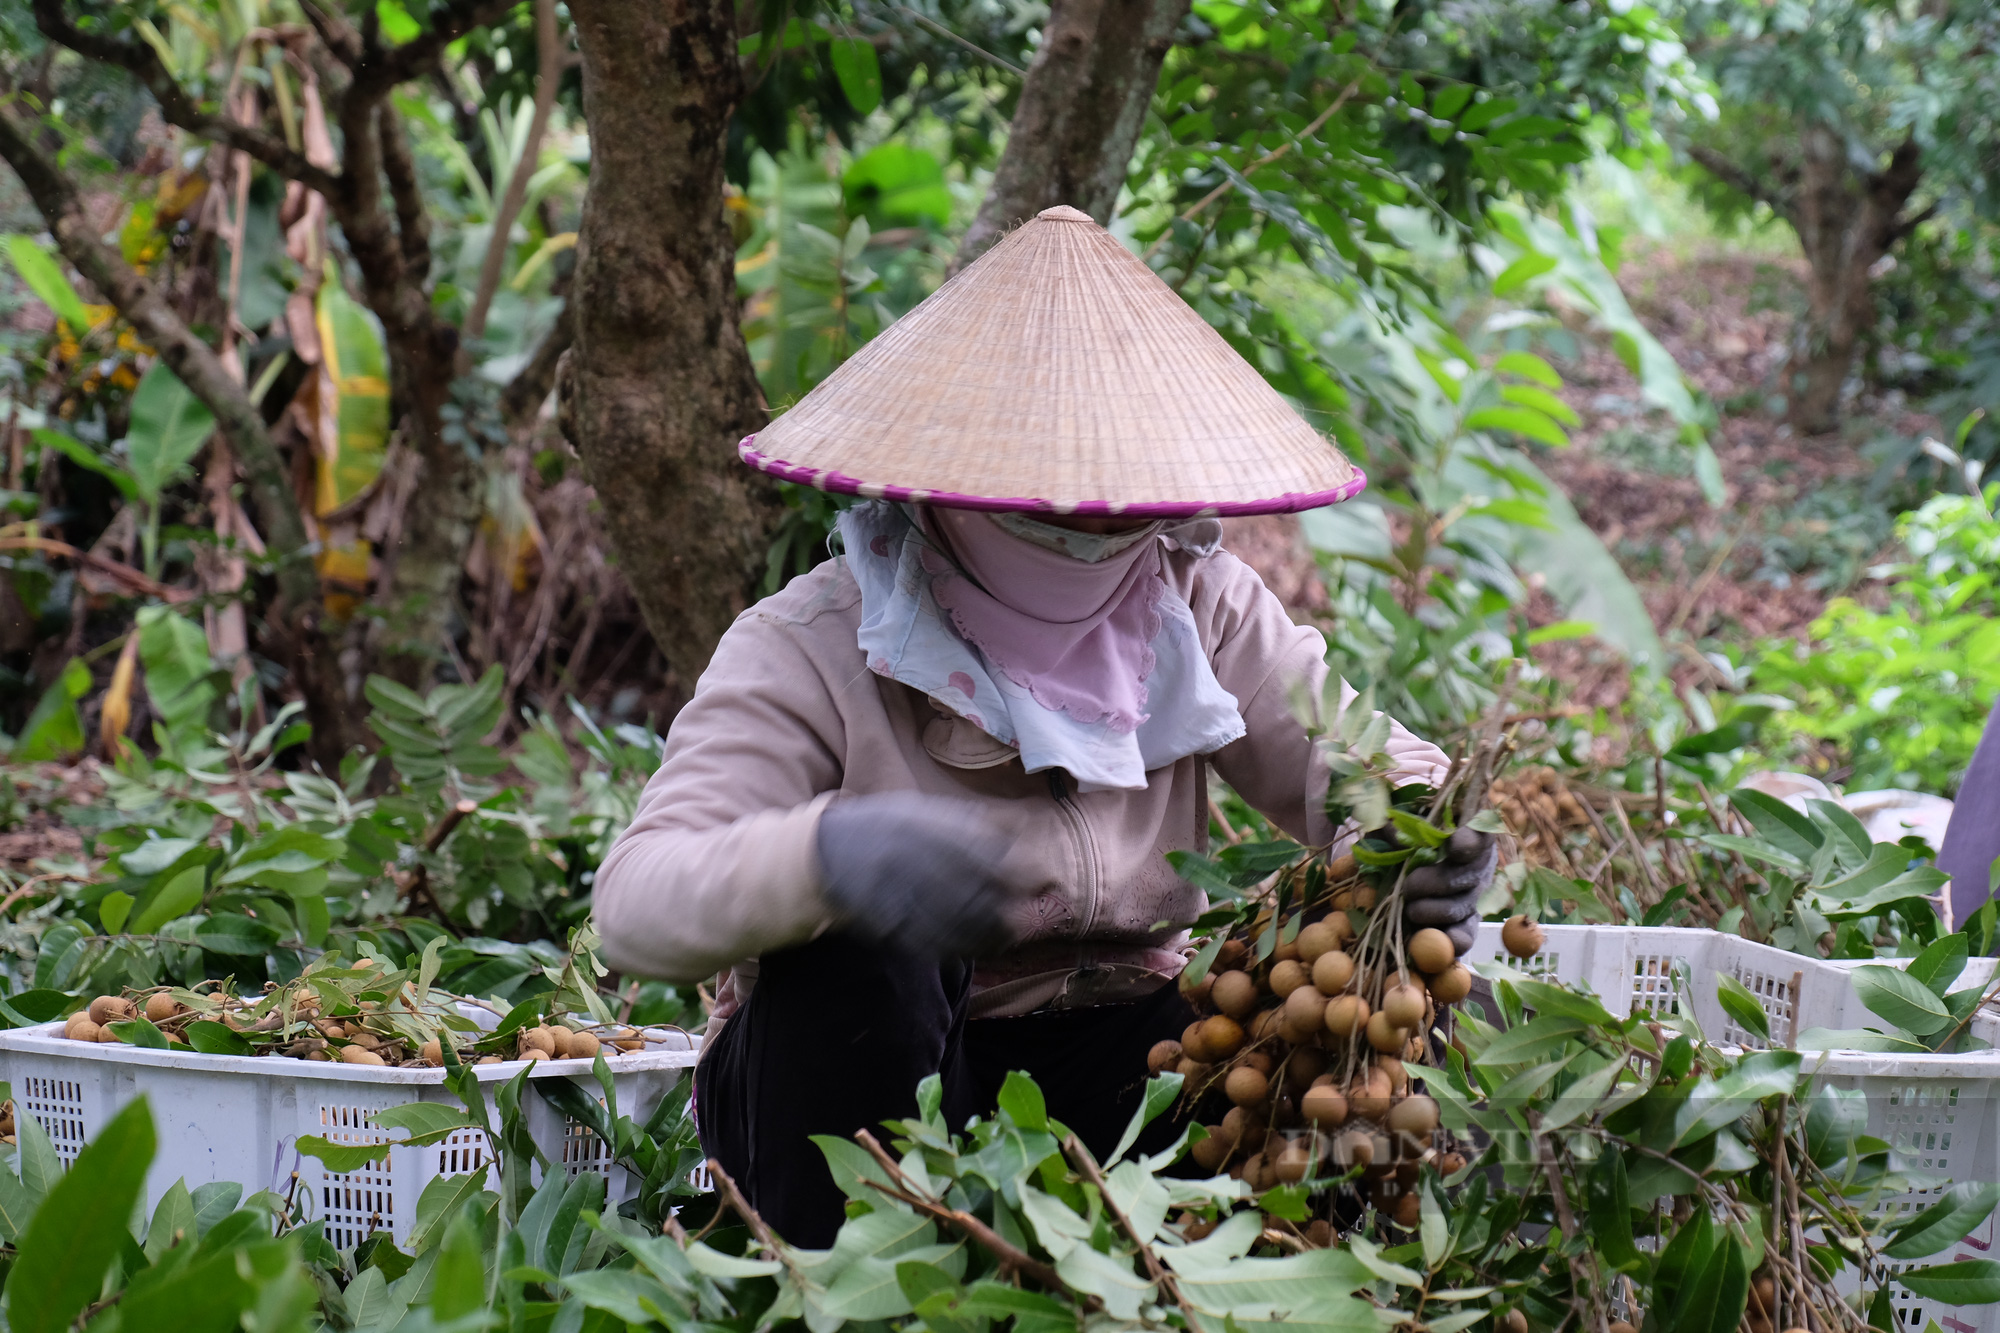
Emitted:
pixel 918 809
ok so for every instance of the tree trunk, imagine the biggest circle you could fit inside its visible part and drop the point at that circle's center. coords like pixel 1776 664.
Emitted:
pixel 1845 224
pixel 1082 105
pixel 658 388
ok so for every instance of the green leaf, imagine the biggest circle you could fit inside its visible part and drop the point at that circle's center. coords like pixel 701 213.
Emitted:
pixel 169 426
pixel 1963 1207
pixel 1533 1040
pixel 140 1032
pixel 1023 1103
pixel 1967 1282
pixel 55 728
pixel 1939 965
pixel 1160 1093
pixel 113 908
pixel 179 672
pixel 230 933
pixel 212 1038
pixel 87 458
pixel 1522 271
pixel 44 277
pixel 859 72
pixel 1778 822
pixel 1860 1039
pixel 1899 998
pixel 1540 400
pixel 341 1158
pixel 63 1257
pixel 1529 367
pixel 173 1221
pixel 1718 1102
pixel 173 900
pixel 1743 1006
pixel 1521 421
pixel 424 1120
pixel 458 1281
pixel 1708 474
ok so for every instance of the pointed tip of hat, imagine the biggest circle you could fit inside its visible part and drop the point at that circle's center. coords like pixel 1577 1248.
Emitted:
pixel 1064 213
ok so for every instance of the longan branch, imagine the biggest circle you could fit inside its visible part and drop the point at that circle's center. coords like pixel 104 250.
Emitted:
pixel 1080 1158
pixel 1011 1257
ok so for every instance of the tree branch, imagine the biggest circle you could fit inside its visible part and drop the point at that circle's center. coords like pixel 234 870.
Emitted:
pixel 1086 1165
pixel 548 74
pixel 1736 178
pixel 176 106
pixel 413 221
pixel 190 358
pixel 382 68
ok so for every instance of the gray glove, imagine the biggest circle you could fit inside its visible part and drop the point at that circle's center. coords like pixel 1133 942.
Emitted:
pixel 918 873
pixel 1445 894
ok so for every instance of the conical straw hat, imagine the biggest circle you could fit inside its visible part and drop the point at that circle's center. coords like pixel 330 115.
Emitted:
pixel 1056 373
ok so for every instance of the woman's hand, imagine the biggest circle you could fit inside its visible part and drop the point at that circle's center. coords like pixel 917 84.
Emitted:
pixel 1445 894
pixel 919 873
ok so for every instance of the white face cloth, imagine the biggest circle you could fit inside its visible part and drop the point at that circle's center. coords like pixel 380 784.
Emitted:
pixel 907 638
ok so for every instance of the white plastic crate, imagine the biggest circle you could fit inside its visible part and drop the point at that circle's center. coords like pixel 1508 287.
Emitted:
pixel 1940 1112
pixel 238 1118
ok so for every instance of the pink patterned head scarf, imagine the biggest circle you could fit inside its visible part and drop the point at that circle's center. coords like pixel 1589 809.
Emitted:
pixel 1077 635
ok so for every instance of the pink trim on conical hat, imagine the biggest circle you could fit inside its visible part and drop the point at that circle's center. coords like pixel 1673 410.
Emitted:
pixel 1056 373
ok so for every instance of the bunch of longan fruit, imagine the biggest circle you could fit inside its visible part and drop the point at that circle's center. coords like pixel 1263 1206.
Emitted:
pixel 1308 1048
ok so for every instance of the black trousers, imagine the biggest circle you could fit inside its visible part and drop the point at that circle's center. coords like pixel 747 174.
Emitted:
pixel 836 1037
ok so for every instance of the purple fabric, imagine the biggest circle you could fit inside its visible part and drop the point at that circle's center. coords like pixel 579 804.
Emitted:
pixel 1972 839
pixel 1077 636
pixel 840 483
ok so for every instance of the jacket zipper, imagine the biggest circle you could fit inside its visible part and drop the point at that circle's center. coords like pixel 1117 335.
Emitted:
pixel 1086 852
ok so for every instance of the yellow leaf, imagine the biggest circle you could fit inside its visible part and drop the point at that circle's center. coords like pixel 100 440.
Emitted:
pixel 116 714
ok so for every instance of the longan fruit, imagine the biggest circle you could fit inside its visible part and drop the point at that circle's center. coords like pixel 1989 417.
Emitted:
pixel 1303 1066
pixel 1342 867
pixel 360 1055
pixel 1451 985
pixel 1319 1233
pixel 432 1053
pixel 1385 1036
pixel 563 1039
pixel 1324 1106
pixel 1370 1096
pixel 1354 1149
pixel 1294 1164
pixel 1343 927
pixel 1514 1322
pixel 1260 1061
pixel 1409 1210
pixel 1414 1114
pixel 1244 1128
pixel 1235 994
pixel 1450 1164
pixel 1392 1069
pixel 1346 1015
pixel 1364 897
pixel 1211 1152
pixel 1522 937
pixel 1763 1295
pixel 1619 1326
pixel 1287 950
pixel 1267 1024
pixel 1231 956
pixel 1287 975
pixel 1403 1006
pixel 110 1009
pixel 534 1053
pixel 160 1007
pixel 541 1039
pixel 1245 1086
pixel 1194 1045
pixel 1222 1036
pixel 1305 1009
pixel 83 1031
pixel 628 1040
pixel 584 1045
pixel 1316 940
pixel 1333 972
pixel 106 1036
pixel 1164 1056
pixel 1197 992
pixel 1431 950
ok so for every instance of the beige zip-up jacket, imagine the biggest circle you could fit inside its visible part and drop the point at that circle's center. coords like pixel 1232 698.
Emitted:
pixel 718 866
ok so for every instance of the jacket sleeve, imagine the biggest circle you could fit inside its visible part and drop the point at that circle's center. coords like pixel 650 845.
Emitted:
pixel 719 863
pixel 1277 671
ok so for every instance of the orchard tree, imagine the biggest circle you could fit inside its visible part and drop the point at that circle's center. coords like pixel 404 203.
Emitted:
pixel 1858 123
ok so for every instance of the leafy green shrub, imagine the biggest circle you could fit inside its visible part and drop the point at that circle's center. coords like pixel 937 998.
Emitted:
pixel 1904 692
